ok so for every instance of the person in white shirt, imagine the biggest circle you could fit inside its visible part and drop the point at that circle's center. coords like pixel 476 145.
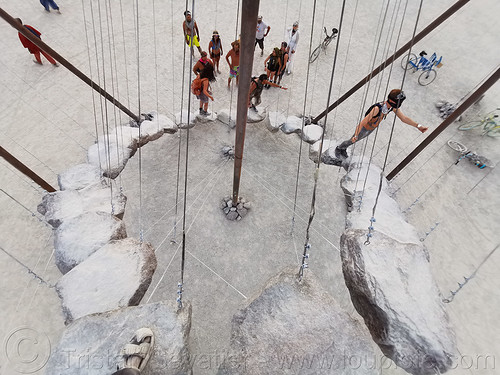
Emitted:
pixel 292 38
pixel 261 33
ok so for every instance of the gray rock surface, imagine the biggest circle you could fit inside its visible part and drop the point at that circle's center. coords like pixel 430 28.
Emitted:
pixel 79 176
pixel 275 121
pixel 206 119
pixel 117 275
pixel 151 130
pixel 224 117
pixel 392 288
pixel 181 119
pixel 67 204
pixel 78 238
pixel 296 328
pixel 110 156
pixel 91 345
pixel 293 124
pixel 256 116
pixel 312 133
pixel 390 279
pixel 165 123
pixel 314 148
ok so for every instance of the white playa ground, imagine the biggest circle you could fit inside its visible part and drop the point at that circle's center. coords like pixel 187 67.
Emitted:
pixel 51 118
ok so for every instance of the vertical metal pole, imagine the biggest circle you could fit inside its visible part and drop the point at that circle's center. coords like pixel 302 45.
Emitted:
pixel 249 13
pixel 12 160
pixel 474 97
pixel 38 42
pixel 438 21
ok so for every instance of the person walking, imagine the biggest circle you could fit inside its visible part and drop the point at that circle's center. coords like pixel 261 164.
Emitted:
pixel 292 38
pixel 32 47
pixel 189 25
pixel 256 87
pixel 51 3
pixel 261 33
pixel 284 60
pixel 215 49
pixel 234 64
pixel 374 116
pixel 273 65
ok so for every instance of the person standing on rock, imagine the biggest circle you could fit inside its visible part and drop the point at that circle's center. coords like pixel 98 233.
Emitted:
pixel 261 33
pixel 292 38
pixel 374 116
pixel 273 64
pixel 201 87
pixel 256 87
pixel 189 26
pixel 201 63
pixel 32 47
pixel 234 64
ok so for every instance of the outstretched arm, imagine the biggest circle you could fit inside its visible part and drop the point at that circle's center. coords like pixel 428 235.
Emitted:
pixel 266 82
pixel 409 121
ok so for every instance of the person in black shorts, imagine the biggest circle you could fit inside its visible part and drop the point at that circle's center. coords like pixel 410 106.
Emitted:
pixel 273 65
pixel 284 60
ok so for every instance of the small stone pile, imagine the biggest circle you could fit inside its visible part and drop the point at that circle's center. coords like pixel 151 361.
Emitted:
pixel 235 212
pixel 445 108
pixel 228 152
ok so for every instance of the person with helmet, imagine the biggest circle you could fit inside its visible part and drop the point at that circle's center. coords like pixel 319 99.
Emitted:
pixel 374 116
pixel 256 87
pixel 292 38
pixel 215 49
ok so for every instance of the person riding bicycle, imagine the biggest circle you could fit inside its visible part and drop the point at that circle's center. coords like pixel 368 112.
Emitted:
pixel 374 116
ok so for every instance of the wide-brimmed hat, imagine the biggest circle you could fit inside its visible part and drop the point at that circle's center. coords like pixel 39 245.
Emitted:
pixel 215 33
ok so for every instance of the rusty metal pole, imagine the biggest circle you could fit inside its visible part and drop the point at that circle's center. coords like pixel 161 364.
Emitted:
pixel 249 13
pixel 438 21
pixel 39 43
pixel 12 160
pixel 474 97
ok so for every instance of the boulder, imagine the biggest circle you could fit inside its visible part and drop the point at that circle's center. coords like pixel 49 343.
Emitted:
pixel 91 345
pixel 293 124
pixel 206 119
pixel 78 238
pixel 181 119
pixel 314 148
pixel 117 275
pixel 312 133
pixel 164 122
pixel 392 288
pixel 129 136
pixel 224 117
pixel 276 120
pixel 63 205
pixel 78 177
pixel 255 116
pixel 151 130
pixel 296 327
pixel 110 156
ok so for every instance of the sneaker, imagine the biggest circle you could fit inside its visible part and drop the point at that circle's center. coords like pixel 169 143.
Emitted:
pixel 340 153
pixel 262 52
pixel 205 113
pixel 37 62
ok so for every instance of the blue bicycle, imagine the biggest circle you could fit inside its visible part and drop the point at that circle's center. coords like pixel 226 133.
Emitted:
pixel 411 61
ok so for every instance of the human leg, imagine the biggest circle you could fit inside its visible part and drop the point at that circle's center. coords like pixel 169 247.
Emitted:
pixel 53 4
pixel 340 150
pixel 45 4
pixel 48 57
pixel 37 57
pixel 289 65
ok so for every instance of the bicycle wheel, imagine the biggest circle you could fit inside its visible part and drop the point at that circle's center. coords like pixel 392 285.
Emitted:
pixel 427 77
pixel 492 129
pixel 409 61
pixel 470 125
pixel 315 54
pixel 457 146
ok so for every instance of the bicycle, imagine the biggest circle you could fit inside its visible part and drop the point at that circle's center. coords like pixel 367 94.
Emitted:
pixel 411 61
pixel 323 45
pixel 489 123
pixel 479 161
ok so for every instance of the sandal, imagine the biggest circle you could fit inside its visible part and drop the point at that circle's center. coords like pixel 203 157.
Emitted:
pixel 138 347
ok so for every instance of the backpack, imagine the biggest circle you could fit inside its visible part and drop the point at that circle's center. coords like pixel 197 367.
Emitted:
pixel 197 86
pixel 379 106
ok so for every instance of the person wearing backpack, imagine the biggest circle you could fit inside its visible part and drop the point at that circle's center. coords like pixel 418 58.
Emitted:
pixel 32 47
pixel 201 87
pixel 256 87
pixel 374 116
pixel 273 65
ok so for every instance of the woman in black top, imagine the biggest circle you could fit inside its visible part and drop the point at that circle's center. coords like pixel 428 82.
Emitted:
pixel 273 64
